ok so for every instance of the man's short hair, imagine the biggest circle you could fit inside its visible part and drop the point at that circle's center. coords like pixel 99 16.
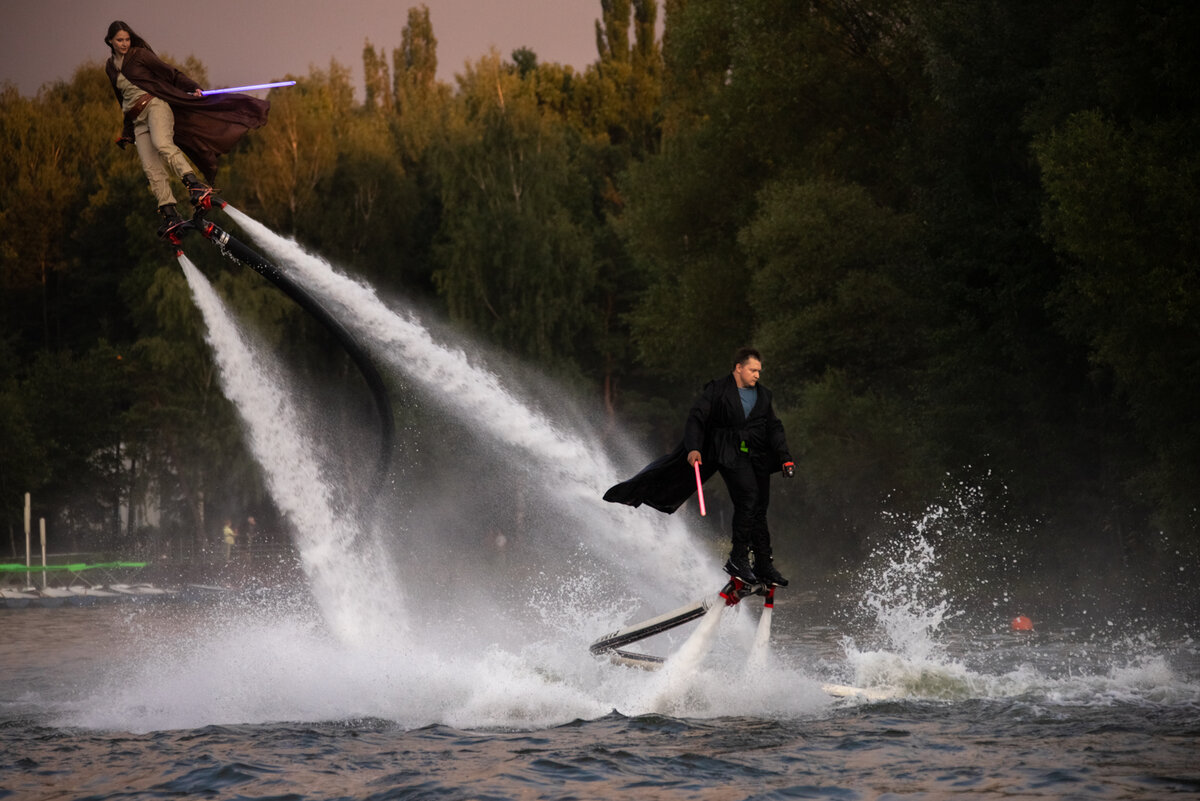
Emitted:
pixel 743 355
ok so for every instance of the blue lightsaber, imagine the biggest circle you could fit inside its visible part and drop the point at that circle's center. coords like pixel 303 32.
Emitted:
pixel 248 88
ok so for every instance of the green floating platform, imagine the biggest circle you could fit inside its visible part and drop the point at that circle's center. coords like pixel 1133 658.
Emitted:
pixel 73 568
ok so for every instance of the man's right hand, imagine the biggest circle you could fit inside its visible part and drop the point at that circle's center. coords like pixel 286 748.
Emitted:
pixel 693 458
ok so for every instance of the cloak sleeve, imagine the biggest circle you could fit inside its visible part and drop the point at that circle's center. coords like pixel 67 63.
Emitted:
pixel 665 484
pixel 777 439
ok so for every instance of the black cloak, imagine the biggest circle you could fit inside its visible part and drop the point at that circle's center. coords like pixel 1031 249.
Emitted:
pixel 716 426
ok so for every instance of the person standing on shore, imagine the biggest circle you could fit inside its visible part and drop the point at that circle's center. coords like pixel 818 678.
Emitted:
pixel 230 537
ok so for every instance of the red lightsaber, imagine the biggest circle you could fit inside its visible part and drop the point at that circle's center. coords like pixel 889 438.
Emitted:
pixel 699 488
pixel 248 88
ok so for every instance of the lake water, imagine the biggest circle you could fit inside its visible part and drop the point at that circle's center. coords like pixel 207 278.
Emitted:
pixel 254 698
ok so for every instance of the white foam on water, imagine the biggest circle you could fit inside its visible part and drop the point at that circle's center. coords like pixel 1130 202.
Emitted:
pixel 253 668
pixel 913 654
pixel 905 598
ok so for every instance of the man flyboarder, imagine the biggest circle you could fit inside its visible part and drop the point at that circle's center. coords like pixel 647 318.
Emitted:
pixel 731 429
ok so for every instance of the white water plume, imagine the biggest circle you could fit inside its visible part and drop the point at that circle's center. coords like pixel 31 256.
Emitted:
pixel 571 470
pixel 326 537
pixel 668 693
pixel 762 641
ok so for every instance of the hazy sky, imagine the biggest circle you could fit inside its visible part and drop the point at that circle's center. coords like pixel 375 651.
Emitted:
pixel 252 41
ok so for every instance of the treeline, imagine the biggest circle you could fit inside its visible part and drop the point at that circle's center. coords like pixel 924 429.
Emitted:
pixel 964 236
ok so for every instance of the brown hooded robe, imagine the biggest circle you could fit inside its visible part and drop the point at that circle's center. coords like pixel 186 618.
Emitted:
pixel 205 127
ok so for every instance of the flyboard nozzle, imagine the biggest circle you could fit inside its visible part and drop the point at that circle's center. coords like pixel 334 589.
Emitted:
pixel 211 231
pixel 732 592
pixel 174 234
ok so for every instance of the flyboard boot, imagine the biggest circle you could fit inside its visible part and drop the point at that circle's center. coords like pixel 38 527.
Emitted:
pixel 200 193
pixel 738 566
pixel 767 573
pixel 172 223
pixel 742 579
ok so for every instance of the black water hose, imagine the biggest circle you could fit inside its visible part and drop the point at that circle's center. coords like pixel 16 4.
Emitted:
pixel 235 249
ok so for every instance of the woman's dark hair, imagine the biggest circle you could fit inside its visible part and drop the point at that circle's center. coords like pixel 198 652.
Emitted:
pixel 134 39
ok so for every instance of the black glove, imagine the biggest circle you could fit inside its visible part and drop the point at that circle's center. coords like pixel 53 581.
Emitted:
pixel 789 469
pixel 122 140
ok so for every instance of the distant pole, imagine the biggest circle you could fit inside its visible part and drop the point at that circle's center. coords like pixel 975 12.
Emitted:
pixel 27 557
pixel 42 524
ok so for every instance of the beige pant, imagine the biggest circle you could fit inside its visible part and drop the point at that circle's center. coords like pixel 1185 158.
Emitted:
pixel 154 134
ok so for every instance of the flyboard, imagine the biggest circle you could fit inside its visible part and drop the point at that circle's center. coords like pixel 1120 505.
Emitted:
pixel 233 249
pixel 612 645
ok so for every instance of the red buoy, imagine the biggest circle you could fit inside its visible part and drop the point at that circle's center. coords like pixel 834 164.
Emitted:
pixel 1022 623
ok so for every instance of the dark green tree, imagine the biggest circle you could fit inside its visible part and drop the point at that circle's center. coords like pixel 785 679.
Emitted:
pixel 1122 209
pixel 515 248
pixel 376 79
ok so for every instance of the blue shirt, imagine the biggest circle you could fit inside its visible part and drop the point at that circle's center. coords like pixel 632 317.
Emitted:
pixel 749 398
